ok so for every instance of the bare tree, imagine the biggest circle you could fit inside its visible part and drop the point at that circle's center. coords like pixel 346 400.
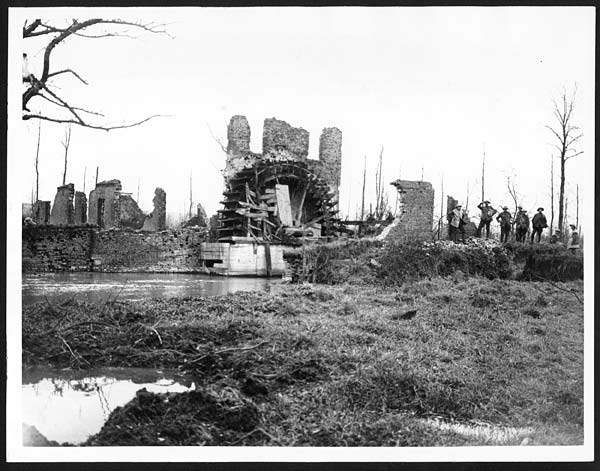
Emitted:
pixel 41 86
pixel 37 156
pixel 510 184
pixel 362 207
pixel 441 211
pixel 190 210
pixel 66 143
pixel 379 203
pixel 483 175
pixel 568 137
pixel 551 195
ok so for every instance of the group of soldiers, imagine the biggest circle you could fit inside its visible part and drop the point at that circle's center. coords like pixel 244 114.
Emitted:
pixel 458 219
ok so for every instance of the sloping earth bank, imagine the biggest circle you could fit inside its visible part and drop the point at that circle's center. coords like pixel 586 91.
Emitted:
pixel 475 361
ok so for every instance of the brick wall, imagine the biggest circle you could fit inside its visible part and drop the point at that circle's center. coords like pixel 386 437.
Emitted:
pixel 85 248
pixel 41 212
pixel 56 248
pixel 80 213
pixel 330 154
pixel 280 140
pixel 415 209
pixel 62 209
pixel 108 191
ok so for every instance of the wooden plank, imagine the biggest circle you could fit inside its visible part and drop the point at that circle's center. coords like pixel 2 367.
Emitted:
pixel 283 204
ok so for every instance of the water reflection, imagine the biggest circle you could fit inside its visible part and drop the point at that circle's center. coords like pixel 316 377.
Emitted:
pixel 67 406
pixel 94 287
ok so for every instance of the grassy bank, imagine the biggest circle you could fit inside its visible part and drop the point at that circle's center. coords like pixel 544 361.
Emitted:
pixel 389 263
pixel 481 362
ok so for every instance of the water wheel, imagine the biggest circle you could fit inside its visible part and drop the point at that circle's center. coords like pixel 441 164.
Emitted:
pixel 253 205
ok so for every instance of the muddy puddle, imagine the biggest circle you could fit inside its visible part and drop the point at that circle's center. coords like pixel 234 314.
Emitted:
pixel 94 287
pixel 66 406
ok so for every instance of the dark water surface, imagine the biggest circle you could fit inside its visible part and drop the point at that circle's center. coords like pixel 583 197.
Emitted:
pixel 68 406
pixel 93 287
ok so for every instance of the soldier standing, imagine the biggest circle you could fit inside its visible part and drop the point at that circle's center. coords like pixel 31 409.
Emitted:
pixel 456 223
pixel 573 243
pixel 539 223
pixel 505 219
pixel 521 224
pixel 487 214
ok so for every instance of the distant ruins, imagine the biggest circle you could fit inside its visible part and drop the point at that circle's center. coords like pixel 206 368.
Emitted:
pixel 279 194
pixel 109 208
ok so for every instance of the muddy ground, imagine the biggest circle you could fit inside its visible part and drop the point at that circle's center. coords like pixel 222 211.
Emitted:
pixel 413 365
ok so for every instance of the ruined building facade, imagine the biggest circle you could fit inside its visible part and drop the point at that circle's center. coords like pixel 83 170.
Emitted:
pixel 110 207
pixel 279 191
pixel 415 211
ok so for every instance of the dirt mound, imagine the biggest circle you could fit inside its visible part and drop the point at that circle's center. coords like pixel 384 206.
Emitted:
pixel 553 267
pixel 201 417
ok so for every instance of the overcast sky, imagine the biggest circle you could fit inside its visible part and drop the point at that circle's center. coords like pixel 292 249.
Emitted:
pixel 433 86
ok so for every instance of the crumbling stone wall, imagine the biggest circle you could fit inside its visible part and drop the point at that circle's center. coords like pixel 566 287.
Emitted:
pixel 330 155
pixel 130 215
pixel 62 209
pixel 80 213
pixel 157 221
pixel 86 248
pixel 41 212
pixel 284 142
pixel 165 251
pixel 415 211
pixel 56 248
pixel 107 191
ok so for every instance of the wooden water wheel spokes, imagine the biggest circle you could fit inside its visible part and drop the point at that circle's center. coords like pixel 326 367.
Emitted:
pixel 250 206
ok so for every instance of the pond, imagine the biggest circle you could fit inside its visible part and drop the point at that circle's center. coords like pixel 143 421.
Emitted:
pixel 94 287
pixel 68 406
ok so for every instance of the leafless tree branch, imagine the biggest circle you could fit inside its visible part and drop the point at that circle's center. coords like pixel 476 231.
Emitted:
pixel 87 125
pixel 66 71
pixel 216 139
pixel 76 28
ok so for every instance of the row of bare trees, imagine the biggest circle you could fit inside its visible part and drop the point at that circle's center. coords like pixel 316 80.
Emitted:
pixel 567 136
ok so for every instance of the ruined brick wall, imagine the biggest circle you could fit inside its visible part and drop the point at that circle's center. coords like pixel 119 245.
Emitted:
pixel 62 209
pixel 415 211
pixel 282 141
pixel 238 136
pixel 130 215
pixel 330 154
pixel 165 251
pixel 85 248
pixel 80 213
pixel 238 146
pixel 157 221
pixel 108 191
pixel 56 248
pixel 41 212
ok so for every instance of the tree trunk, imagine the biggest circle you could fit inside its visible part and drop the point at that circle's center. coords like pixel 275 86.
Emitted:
pixel 577 214
pixel 362 208
pixel 441 211
pixel 552 196
pixel 37 155
pixel 561 194
pixel 66 145
pixel 483 177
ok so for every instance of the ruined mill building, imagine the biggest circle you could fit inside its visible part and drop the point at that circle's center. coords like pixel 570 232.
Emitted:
pixel 109 208
pixel 279 194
